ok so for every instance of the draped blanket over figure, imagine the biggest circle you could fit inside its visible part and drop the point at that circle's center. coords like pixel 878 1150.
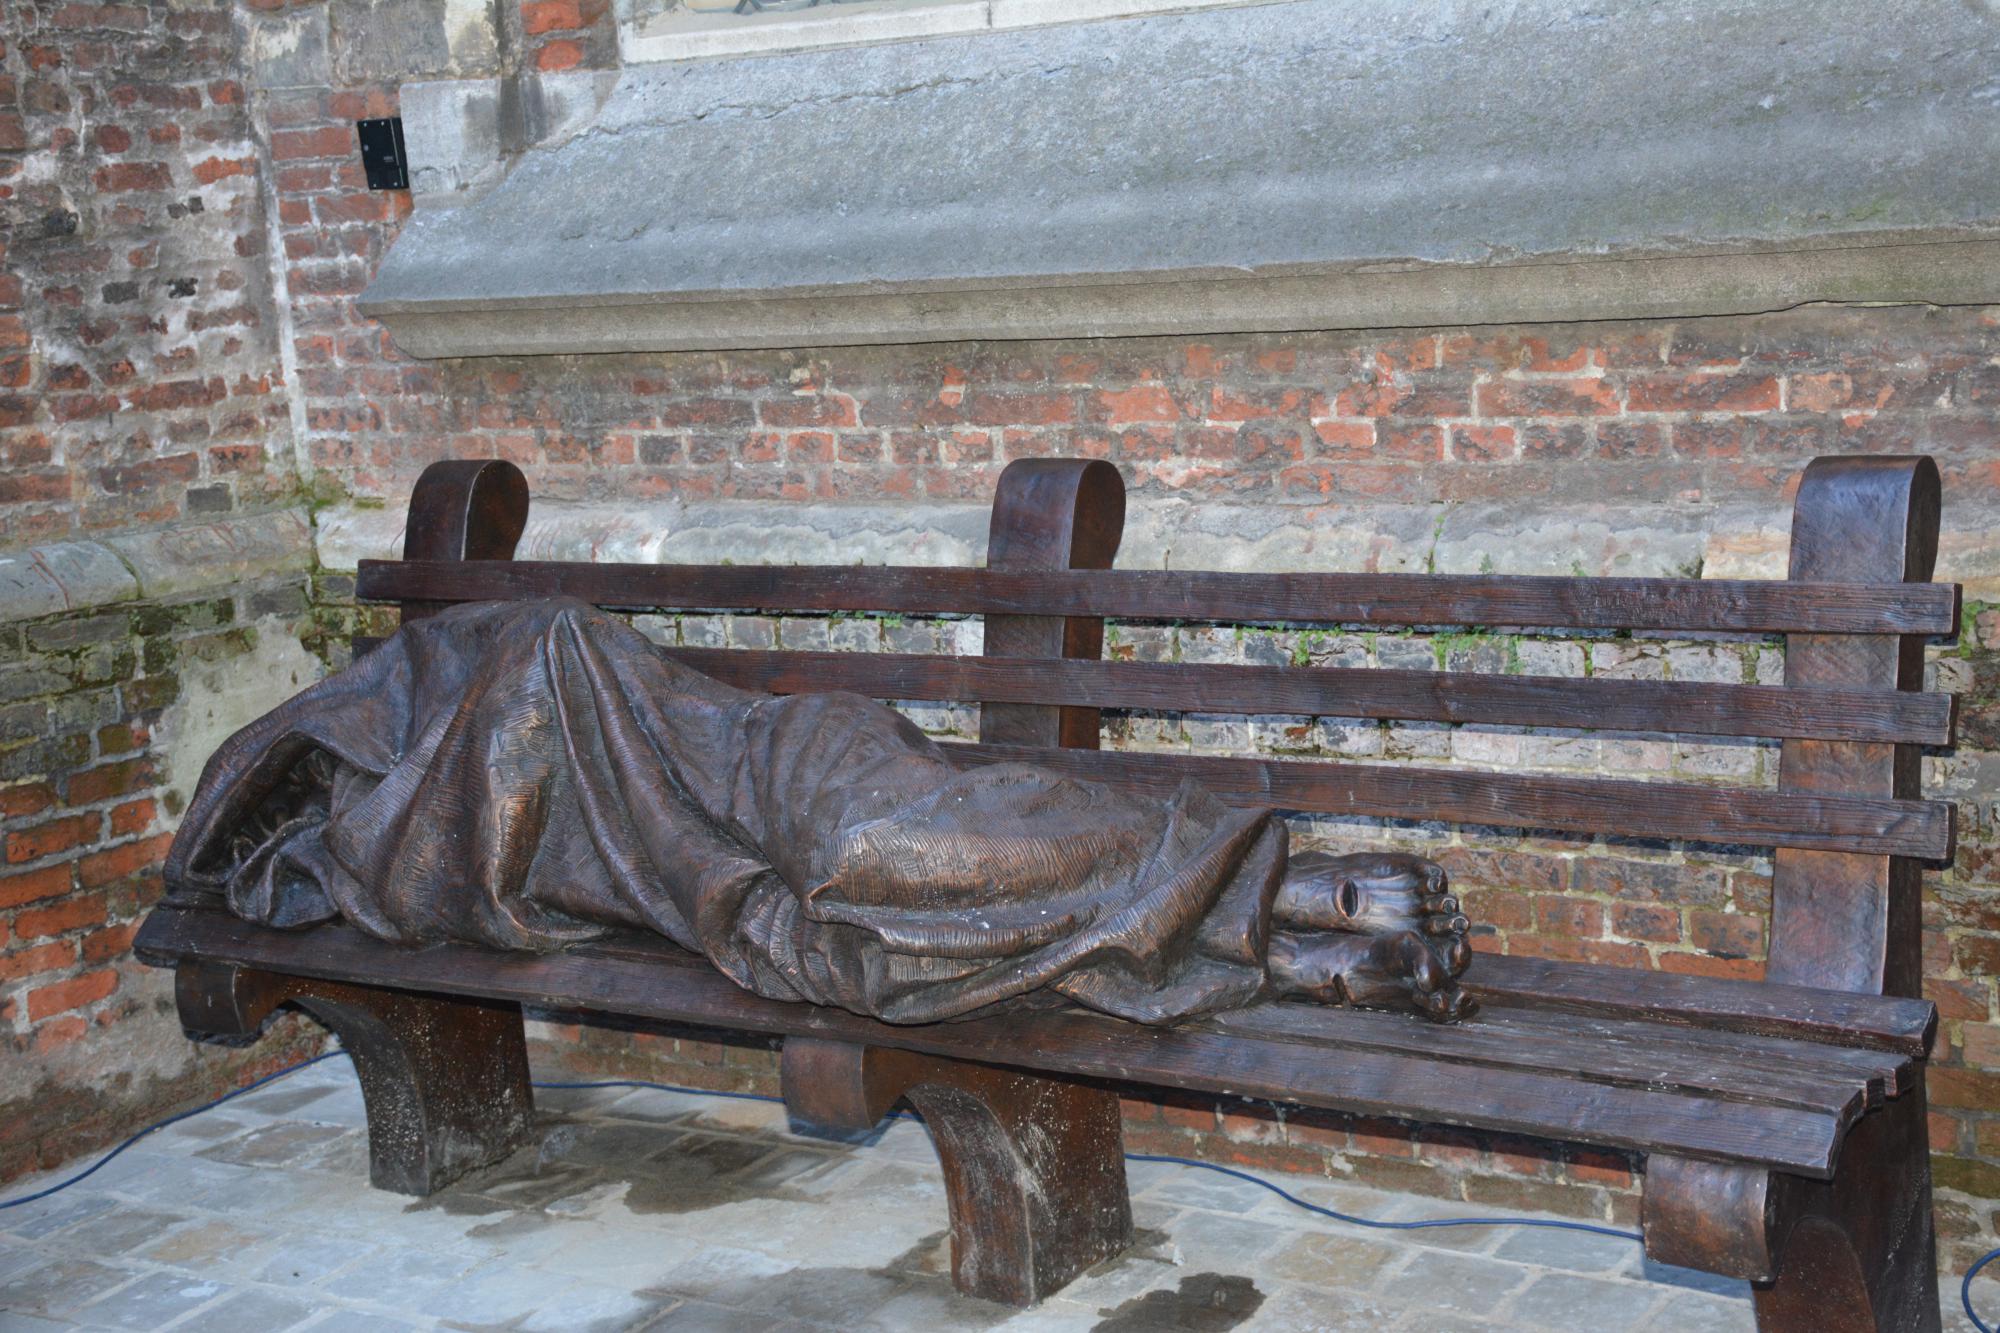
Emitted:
pixel 534 775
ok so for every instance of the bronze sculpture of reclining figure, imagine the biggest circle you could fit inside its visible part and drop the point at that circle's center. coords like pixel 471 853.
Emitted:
pixel 531 775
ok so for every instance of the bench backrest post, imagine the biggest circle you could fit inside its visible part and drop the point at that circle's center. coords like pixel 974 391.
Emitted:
pixel 1844 920
pixel 1050 513
pixel 464 509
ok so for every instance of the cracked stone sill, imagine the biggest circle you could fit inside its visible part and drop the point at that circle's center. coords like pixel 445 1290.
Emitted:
pixel 690 35
pixel 179 560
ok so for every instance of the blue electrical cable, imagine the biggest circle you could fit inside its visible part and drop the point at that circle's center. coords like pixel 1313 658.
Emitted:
pixel 105 1160
pixel 1964 1290
pixel 1278 1190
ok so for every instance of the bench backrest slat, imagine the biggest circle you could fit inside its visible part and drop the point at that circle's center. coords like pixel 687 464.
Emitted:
pixel 1659 706
pixel 1697 606
pixel 1861 825
pixel 1847 822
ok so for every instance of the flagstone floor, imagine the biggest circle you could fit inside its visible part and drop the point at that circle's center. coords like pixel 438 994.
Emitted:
pixel 643 1209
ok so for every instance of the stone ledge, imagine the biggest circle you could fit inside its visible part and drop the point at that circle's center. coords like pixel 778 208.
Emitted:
pixel 175 561
pixel 1387 169
pixel 698 35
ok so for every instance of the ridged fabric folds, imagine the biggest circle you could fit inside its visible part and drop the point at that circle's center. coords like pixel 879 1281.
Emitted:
pixel 533 775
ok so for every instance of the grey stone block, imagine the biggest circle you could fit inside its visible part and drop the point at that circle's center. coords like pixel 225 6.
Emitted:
pixel 1569 1249
pixel 152 1301
pixel 1459 1283
pixel 52 1215
pixel 1694 1313
pixel 287 50
pixel 1577 534
pixel 118 1231
pixel 1563 1300
pixel 360 1321
pixel 389 40
pixel 60 1286
pixel 258 1312
pixel 1338 190
pixel 187 558
pixel 451 128
pixel 62 576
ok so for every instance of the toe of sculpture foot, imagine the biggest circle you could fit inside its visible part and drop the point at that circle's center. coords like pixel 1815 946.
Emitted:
pixel 1433 959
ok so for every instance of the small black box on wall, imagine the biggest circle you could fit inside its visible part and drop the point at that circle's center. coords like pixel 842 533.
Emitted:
pixel 382 155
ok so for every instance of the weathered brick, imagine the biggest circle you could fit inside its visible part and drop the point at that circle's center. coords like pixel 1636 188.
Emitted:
pixel 88 988
pixel 560 55
pixel 1702 393
pixel 210 170
pixel 540 16
pixel 1547 398
pixel 59 918
pixel 110 943
pixel 25 798
pixel 121 862
pixel 43 958
pixel 31 886
pixel 326 141
pixel 110 780
pixel 133 817
pixel 121 176
pixel 54 837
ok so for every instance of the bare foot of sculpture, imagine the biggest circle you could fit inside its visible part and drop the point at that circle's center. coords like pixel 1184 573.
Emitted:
pixel 1371 929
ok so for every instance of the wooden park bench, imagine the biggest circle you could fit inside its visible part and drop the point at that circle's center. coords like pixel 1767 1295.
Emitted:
pixel 1781 1124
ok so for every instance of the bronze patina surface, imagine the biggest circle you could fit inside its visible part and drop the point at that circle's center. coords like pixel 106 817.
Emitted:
pixel 533 775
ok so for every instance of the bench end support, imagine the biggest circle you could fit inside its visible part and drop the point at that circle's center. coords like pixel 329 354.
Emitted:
pixel 1034 1168
pixel 445 1080
pixel 1854 1254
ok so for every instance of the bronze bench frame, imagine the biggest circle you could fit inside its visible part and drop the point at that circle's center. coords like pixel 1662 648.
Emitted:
pixel 1815 1187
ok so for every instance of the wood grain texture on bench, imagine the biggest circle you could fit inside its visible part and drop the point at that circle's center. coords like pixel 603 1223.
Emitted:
pixel 1411 696
pixel 1923 829
pixel 1703 606
pixel 1530 1080
pixel 1846 1018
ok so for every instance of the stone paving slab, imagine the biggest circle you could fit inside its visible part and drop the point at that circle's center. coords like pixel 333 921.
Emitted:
pixel 642 1210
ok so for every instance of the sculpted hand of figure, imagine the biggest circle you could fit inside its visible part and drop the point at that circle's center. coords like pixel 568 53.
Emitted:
pixel 533 775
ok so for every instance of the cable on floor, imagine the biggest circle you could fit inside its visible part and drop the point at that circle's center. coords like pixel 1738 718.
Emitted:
pixel 1554 1224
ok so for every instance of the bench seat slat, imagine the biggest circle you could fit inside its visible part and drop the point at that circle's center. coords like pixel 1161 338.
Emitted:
pixel 1884 1073
pixel 1417 696
pixel 1922 829
pixel 1882 1022
pixel 1596 1049
pixel 645 980
pixel 1705 606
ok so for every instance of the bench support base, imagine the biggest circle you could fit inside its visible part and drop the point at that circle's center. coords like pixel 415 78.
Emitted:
pixel 445 1080
pixel 1034 1168
pixel 1855 1254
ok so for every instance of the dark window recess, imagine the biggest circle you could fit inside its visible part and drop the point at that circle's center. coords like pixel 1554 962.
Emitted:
pixel 382 154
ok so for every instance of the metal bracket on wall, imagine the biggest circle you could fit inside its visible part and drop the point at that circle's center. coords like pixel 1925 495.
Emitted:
pixel 382 154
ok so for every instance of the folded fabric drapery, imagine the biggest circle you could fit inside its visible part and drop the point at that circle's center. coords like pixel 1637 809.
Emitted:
pixel 532 775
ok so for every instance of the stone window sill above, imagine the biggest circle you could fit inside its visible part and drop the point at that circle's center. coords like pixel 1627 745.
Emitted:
pixel 1289 165
pixel 700 34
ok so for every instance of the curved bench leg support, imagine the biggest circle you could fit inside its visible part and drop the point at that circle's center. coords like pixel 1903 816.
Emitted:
pixel 1860 1251
pixel 1856 1254
pixel 445 1079
pixel 1034 1168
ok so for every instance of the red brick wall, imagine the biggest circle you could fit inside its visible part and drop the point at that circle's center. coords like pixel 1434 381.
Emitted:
pixel 87 1035
pixel 140 384
pixel 569 34
pixel 139 377
pixel 1641 414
